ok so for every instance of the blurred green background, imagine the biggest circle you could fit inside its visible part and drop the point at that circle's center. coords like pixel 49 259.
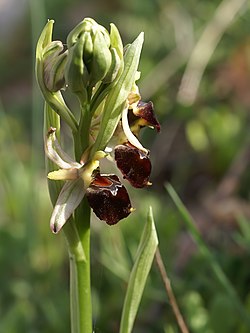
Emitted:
pixel 195 67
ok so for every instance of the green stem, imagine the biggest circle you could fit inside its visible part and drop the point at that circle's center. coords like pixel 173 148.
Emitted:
pixel 81 137
pixel 82 217
pixel 80 288
pixel 80 283
pixel 84 125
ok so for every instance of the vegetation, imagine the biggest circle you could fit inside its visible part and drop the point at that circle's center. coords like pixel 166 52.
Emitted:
pixel 202 150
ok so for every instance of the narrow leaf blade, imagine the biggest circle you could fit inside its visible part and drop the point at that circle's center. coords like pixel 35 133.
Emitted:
pixel 144 258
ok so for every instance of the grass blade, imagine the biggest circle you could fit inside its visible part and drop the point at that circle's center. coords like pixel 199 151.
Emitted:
pixel 204 250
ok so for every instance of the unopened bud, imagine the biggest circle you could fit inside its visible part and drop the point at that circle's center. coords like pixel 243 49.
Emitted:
pixel 76 74
pixel 54 66
pixel 101 60
pixel 114 67
pixel 97 56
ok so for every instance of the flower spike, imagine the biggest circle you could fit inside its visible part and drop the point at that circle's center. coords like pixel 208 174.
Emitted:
pixel 94 65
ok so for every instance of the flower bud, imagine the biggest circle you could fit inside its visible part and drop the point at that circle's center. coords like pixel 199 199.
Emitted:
pixel 90 55
pixel 114 67
pixel 54 66
pixel 101 60
pixel 76 72
pixel 109 199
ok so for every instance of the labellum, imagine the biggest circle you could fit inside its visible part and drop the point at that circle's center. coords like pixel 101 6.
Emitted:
pixel 134 164
pixel 108 198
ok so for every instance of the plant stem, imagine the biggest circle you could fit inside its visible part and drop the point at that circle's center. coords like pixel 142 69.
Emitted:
pixel 82 218
pixel 77 233
pixel 80 283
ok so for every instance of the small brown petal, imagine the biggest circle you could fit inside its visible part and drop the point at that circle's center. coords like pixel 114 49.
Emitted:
pixel 109 199
pixel 145 111
pixel 134 164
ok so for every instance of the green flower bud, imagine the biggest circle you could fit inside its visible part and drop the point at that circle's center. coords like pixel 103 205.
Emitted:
pixel 54 66
pixel 45 48
pixel 101 60
pixel 94 55
pixel 76 73
pixel 114 67
pixel 88 49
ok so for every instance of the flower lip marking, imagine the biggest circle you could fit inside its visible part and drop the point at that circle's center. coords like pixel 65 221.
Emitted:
pixel 108 182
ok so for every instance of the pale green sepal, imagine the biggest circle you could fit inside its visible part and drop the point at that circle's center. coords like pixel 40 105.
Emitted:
pixel 101 60
pixel 115 40
pixel 87 48
pixel 116 100
pixel 114 67
pixel 85 25
pixel 54 71
pixel 53 48
pixel 56 154
pixel 75 69
pixel 45 37
pixel 68 200
pixel 143 262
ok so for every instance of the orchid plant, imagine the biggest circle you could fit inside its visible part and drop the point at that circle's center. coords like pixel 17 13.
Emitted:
pixel 95 68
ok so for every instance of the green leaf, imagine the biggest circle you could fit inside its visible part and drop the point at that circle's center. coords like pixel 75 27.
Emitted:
pixel 116 99
pixel 143 262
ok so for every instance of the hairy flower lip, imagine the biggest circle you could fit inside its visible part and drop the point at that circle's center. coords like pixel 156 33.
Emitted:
pixel 108 198
pixel 134 164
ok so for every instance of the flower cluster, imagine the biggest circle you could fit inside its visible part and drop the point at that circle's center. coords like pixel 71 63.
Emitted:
pixel 106 195
pixel 102 75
